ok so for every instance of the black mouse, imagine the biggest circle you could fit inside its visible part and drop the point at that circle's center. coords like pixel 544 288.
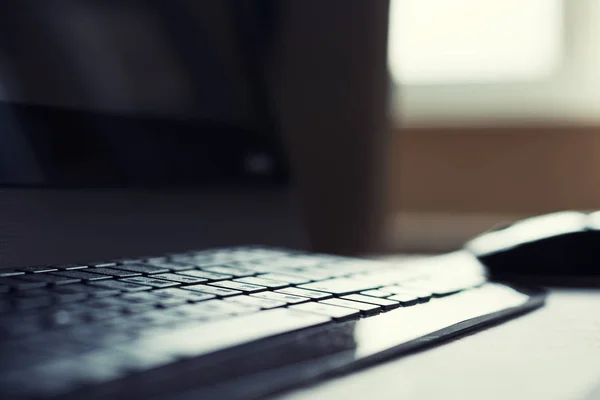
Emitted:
pixel 559 249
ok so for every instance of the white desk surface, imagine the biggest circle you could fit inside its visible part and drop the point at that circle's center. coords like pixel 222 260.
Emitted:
pixel 551 353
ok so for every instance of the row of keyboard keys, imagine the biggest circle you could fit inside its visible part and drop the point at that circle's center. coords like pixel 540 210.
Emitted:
pixel 340 286
pixel 217 291
pixel 18 284
pixel 240 286
pixel 293 280
pixel 335 312
pixel 311 294
pixel 237 272
pixel 81 275
pixel 385 303
pixel 143 268
pixel 149 281
pixel 89 290
pixel 261 281
pixel 122 285
pixel 376 293
pixel 37 269
pixel 405 299
pixel 48 279
pixel 114 272
pixel 286 298
pixel 180 278
pixel 364 308
pixel 209 276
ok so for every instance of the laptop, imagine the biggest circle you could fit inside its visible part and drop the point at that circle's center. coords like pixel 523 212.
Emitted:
pixel 152 245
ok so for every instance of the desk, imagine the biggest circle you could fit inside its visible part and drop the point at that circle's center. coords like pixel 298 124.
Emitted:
pixel 551 353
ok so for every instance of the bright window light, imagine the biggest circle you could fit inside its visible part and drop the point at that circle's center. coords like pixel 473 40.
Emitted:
pixel 474 41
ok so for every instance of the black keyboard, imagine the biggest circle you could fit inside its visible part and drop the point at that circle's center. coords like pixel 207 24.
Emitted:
pixel 64 329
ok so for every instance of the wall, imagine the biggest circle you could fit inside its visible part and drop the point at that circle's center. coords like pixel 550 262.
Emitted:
pixel 451 183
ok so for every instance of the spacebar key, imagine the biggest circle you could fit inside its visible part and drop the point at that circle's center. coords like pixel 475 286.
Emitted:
pixel 198 339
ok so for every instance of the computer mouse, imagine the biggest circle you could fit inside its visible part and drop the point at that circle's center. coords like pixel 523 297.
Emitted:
pixel 559 249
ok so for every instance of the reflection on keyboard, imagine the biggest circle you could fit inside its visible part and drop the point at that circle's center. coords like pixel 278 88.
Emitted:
pixel 127 304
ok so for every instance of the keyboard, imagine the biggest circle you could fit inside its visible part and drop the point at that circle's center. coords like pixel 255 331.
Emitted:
pixel 238 322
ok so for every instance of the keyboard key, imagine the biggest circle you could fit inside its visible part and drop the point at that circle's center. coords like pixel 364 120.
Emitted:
pixel 150 281
pixel 210 276
pixel 189 295
pixel 7 273
pixel 244 287
pixel 116 273
pixel 50 279
pixel 217 291
pixel 295 280
pixel 103 264
pixel 422 294
pixel 172 266
pixel 70 267
pixel 92 291
pixel 335 312
pixel 311 294
pixel 387 304
pixel 83 275
pixel 121 286
pixel 234 271
pixel 37 269
pixel 264 304
pixel 287 298
pixel 340 285
pixel 262 282
pixel 312 274
pixel 365 308
pixel 405 299
pixel 142 269
pixel 376 293
pixel 19 284
pixel 183 279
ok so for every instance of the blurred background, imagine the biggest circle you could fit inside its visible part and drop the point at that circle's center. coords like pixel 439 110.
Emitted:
pixel 496 106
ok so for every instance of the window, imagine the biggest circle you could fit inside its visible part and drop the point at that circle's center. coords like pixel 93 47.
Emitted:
pixel 458 61
pixel 474 41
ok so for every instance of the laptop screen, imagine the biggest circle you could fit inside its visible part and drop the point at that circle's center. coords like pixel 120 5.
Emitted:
pixel 131 93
